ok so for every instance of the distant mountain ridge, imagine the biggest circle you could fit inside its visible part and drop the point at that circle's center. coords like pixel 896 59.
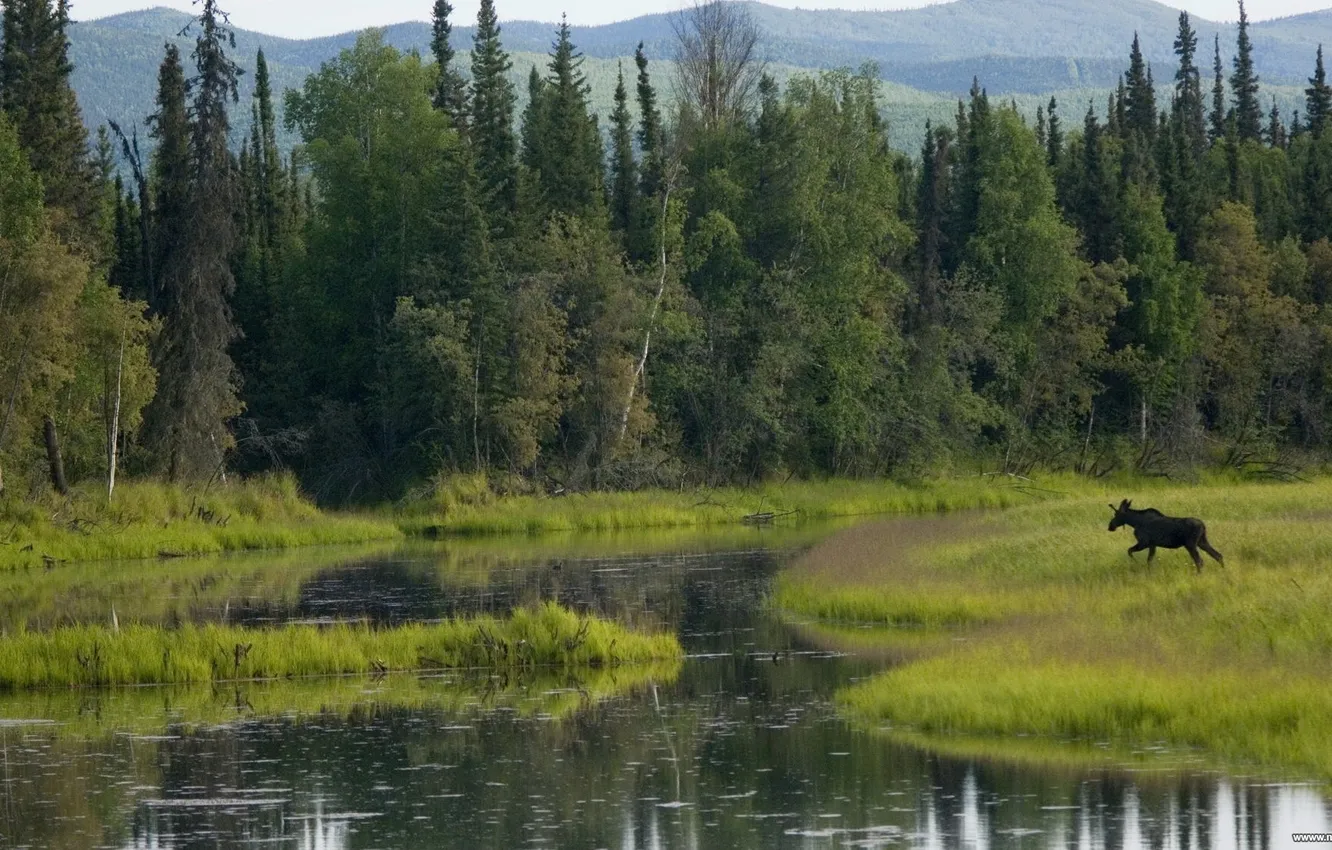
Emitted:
pixel 1013 46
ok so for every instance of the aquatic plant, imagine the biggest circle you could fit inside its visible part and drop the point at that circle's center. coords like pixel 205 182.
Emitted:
pixel 543 636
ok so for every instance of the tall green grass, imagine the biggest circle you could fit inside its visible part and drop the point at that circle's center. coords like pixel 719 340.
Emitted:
pixel 544 636
pixel 790 501
pixel 149 520
pixel 1052 631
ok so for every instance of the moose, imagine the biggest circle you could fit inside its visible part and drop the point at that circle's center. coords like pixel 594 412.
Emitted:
pixel 1154 529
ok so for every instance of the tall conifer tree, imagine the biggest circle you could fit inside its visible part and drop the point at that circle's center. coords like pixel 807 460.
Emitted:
pixel 624 176
pixel 566 147
pixel 197 392
pixel 1217 120
pixel 1188 104
pixel 649 127
pixel 1141 99
pixel 37 96
pixel 492 106
pixel 1244 84
pixel 1054 135
pixel 170 128
pixel 1318 98
pixel 451 91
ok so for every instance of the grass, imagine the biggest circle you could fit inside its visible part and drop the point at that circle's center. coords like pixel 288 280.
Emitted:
pixel 150 520
pixel 543 636
pixel 1034 622
pixel 462 511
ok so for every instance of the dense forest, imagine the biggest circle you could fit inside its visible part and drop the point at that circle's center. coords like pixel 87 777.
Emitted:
pixel 724 280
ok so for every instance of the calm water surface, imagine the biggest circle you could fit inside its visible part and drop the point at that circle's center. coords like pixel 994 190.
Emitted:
pixel 742 749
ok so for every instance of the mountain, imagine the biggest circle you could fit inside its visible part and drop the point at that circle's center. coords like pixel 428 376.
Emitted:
pixel 1015 47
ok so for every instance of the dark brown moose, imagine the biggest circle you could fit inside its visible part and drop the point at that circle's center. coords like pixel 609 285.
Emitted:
pixel 1154 529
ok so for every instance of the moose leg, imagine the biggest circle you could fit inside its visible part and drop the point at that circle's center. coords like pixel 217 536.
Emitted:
pixel 1137 547
pixel 1193 553
pixel 1207 547
pixel 1151 554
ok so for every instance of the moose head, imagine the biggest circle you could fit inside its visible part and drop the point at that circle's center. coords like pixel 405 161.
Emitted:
pixel 1119 518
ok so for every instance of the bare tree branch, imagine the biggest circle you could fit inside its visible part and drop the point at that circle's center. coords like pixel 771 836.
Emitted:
pixel 718 68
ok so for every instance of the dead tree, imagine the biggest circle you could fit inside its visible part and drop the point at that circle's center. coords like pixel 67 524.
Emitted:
pixel 718 68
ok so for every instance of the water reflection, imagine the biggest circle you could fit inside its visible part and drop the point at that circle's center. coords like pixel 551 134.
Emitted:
pixel 742 750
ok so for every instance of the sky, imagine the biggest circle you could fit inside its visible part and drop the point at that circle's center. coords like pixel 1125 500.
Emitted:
pixel 311 18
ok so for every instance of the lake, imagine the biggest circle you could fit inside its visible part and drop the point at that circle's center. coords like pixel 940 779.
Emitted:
pixel 741 747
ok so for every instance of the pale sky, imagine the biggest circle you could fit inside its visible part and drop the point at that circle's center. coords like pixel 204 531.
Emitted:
pixel 310 18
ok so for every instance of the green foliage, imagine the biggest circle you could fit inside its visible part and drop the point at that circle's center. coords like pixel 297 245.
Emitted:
pixel 92 656
pixel 150 520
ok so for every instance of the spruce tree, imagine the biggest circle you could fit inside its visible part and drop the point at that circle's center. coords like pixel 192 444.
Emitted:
pixel 1317 99
pixel 269 184
pixel 1054 141
pixel 188 420
pixel 1140 110
pixel 169 126
pixel 932 203
pixel 1244 84
pixel 37 96
pixel 649 128
pixel 1188 104
pixel 1276 132
pixel 624 177
pixel 1040 126
pixel 1217 120
pixel 450 95
pixel 534 124
pixel 566 146
pixel 491 126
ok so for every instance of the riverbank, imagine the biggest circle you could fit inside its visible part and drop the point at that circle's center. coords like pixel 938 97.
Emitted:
pixel 153 520
pixel 785 502
pixel 1034 622
pixel 546 636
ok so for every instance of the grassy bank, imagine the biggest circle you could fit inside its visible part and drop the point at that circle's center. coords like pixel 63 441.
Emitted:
pixel 151 520
pixel 477 513
pixel 1033 621
pixel 545 636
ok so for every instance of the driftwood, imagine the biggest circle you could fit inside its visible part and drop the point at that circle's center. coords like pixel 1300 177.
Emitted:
pixel 764 518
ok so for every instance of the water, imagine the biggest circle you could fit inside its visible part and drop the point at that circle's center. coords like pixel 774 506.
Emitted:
pixel 743 749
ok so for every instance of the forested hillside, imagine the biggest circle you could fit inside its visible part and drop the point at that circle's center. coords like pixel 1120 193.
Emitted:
pixel 726 279
pixel 929 56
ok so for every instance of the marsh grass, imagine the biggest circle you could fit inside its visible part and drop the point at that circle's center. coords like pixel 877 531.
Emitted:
pixel 149 520
pixel 543 636
pixel 1066 638
pixel 793 501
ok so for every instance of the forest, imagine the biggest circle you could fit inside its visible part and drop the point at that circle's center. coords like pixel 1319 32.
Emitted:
pixel 723 281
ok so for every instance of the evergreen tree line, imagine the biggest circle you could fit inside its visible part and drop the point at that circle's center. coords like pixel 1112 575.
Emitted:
pixel 738 283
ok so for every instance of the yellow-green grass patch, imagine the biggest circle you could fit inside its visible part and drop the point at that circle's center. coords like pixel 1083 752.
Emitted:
pixel 1067 638
pixel 543 636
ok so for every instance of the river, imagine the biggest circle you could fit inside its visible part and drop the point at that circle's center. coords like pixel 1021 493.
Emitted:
pixel 742 747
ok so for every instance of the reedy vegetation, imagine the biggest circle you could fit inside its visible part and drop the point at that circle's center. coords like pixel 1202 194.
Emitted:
pixel 1033 621
pixel 777 292
pixel 545 636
